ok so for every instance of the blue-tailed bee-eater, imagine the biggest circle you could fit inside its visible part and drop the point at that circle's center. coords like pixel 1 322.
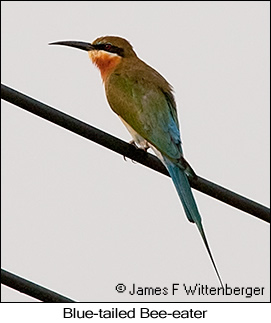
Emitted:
pixel 144 102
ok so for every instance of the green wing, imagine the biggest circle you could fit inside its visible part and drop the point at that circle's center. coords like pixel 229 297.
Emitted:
pixel 145 101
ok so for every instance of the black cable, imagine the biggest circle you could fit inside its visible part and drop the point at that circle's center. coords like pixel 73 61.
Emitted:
pixel 125 149
pixel 25 286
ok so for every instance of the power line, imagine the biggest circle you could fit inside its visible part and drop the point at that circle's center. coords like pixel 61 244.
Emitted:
pixel 25 286
pixel 83 129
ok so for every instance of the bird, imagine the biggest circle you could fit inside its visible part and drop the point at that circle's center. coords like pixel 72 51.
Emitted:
pixel 144 101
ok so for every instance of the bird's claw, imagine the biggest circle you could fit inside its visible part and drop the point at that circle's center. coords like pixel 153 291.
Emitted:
pixel 133 143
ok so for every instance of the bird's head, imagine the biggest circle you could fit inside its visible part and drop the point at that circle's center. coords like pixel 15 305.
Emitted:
pixel 105 52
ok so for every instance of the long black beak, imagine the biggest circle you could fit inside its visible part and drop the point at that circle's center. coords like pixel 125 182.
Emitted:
pixel 76 44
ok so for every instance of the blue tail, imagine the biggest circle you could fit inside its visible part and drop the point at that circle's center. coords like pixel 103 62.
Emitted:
pixel 183 188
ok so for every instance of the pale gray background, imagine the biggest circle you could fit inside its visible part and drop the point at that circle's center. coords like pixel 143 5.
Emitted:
pixel 77 218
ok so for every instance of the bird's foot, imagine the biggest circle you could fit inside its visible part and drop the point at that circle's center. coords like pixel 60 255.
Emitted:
pixel 133 143
pixel 146 147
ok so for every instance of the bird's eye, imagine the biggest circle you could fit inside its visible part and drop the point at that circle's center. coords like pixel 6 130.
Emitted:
pixel 108 46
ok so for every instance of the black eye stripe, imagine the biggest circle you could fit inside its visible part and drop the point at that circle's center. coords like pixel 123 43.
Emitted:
pixel 109 48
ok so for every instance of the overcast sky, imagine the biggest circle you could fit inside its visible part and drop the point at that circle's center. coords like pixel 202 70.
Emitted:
pixel 77 218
